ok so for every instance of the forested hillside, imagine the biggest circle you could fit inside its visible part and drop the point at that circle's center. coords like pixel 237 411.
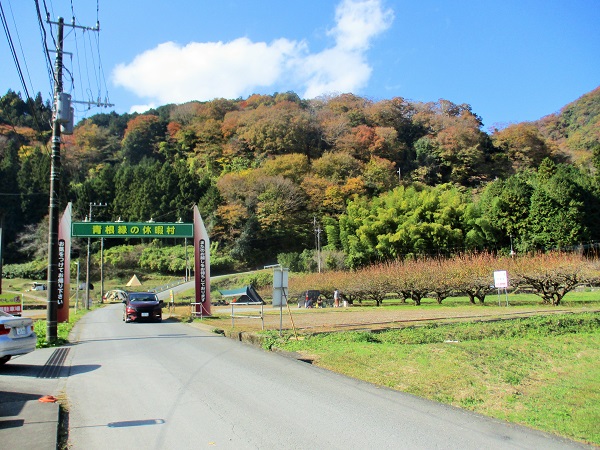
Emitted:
pixel 377 179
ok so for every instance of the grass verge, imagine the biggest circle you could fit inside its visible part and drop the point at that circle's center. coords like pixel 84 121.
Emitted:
pixel 542 372
pixel 62 329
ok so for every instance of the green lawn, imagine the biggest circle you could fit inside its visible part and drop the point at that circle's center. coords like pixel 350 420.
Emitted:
pixel 542 372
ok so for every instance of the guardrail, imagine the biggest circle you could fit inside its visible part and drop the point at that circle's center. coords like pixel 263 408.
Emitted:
pixel 260 316
pixel 166 287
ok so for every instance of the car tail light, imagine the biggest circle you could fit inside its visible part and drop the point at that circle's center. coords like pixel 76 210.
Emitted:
pixel 4 330
pixel 130 310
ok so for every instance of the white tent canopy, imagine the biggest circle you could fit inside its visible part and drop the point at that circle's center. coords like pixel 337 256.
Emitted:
pixel 134 281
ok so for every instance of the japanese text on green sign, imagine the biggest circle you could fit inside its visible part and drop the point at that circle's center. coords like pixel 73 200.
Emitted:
pixel 132 230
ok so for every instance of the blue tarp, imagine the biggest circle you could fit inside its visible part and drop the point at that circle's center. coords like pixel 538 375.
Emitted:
pixel 243 296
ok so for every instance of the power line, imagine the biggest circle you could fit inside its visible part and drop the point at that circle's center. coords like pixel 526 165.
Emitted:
pixel 30 102
pixel 20 46
pixel 44 37
pixel 82 54
pixel 13 51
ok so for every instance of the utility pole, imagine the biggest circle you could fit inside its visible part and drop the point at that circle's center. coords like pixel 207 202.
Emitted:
pixel 318 243
pixel 52 299
pixel 87 271
pixel 62 121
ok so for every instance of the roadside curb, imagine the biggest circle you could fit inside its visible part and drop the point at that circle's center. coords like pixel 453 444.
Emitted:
pixel 241 336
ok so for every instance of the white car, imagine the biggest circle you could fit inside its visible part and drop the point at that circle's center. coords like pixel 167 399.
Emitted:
pixel 16 336
pixel 116 295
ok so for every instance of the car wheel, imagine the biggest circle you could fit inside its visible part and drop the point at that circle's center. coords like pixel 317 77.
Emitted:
pixel 4 359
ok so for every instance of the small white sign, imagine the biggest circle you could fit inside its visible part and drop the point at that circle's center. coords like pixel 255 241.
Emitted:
pixel 280 286
pixel 501 279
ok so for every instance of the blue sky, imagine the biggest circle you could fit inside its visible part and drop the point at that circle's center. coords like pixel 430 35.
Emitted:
pixel 511 60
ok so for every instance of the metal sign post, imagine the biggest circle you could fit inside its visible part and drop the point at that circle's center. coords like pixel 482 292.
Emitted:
pixel 280 295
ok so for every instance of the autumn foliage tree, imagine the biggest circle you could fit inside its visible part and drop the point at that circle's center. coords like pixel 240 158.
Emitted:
pixel 553 275
pixel 550 275
pixel 142 138
pixel 386 179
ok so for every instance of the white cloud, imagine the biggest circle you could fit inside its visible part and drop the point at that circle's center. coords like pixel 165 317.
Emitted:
pixel 334 70
pixel 357 22
pixel 171 73
pixel 141 108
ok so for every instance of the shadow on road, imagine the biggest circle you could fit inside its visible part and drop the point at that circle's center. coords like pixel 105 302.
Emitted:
pixel 34 370
pixel 11 404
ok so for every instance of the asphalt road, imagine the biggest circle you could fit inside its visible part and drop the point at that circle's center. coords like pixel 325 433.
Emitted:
pixel 175 386
pixel 170 385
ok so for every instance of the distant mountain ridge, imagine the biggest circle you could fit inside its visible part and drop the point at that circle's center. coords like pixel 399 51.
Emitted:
pixel 575 130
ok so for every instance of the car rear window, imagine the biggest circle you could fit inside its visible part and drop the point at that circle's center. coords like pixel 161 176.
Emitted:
pixel 142 297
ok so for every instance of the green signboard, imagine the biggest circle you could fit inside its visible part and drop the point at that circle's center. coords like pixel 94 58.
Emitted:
pixel 132 230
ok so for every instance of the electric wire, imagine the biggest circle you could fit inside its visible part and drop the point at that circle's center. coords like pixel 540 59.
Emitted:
pixel 100 65
pixel 44 37
pixel 13 51
pixel 78 56
pixel 88 54
pixel 21 46
pixel 30 101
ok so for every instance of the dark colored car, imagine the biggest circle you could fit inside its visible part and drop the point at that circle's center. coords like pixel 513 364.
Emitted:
pixel 142 306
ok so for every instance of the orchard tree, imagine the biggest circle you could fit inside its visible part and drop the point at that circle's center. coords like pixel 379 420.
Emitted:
pixel 372 285
pixel 408 280
pixel 473 274
pixel 553 275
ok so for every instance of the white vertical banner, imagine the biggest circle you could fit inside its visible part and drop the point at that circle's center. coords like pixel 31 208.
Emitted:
pixel 280 286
